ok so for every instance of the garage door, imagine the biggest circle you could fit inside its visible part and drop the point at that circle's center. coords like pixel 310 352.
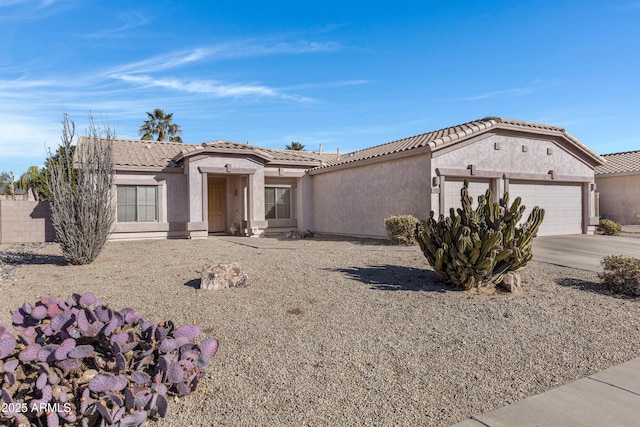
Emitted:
pixel 562 204
pixel 452 193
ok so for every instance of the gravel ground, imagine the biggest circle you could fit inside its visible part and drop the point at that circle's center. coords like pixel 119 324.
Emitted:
pixel 346 333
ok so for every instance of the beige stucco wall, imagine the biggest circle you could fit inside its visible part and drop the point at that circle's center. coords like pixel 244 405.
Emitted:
pixel 518 157
pixel 355 201
pixel 620 198
pixel 24 221
pixel 511 157
pixel 172 206
pixel 236 165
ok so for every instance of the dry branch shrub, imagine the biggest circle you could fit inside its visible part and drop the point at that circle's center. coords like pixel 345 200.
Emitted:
pixel 81 191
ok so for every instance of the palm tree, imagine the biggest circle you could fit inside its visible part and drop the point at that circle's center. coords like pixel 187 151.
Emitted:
pixel 7 184
pixel 160 124
pixel 28 181
pixel 295 146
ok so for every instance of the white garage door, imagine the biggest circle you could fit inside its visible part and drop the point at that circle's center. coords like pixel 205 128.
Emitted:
pixel 452 193
pixel 562 204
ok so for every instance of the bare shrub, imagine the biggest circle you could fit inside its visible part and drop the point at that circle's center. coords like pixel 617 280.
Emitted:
pixel 81 191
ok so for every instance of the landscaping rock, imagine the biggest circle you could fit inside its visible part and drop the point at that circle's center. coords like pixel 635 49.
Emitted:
pixel 308 234
pixel 223 276
pixel 512 282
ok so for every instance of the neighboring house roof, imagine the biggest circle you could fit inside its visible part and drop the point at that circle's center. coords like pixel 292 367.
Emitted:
pixel 625 162
pixel 448 136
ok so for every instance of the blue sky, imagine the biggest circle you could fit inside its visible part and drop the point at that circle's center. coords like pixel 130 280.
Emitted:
pixel 346 74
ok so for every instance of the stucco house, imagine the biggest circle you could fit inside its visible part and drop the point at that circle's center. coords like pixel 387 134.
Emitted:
pixel 187 190
pixel 618 183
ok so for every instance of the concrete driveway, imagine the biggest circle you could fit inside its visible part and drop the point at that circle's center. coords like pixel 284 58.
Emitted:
pixel 583 251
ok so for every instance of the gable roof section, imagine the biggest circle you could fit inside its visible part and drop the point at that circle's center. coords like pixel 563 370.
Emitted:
pixel 269 155
pixel 442 138
pixel 620 163
pixel 132 153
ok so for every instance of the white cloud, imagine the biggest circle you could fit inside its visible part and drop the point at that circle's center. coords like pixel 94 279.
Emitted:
pixel 130 20
pixel 501 93
pixel 229 50
pixel 200 86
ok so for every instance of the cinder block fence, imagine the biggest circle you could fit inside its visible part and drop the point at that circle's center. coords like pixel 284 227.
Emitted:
pixel 24 221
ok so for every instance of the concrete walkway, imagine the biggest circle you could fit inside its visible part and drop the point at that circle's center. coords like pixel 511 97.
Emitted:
pixel 582 251
pixel 608 398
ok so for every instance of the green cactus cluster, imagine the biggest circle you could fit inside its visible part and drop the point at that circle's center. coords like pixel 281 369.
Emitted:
pixel 475 248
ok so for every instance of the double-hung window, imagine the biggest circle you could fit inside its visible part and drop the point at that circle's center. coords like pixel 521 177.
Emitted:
pixel 137 203
pixel 277 202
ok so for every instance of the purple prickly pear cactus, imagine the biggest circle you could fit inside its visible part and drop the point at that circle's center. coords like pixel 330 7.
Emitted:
pixel 81 351
pixel 39 312
pixel 121 362
pixel 103 313
pixel 52 419
pixel 107 383
pixel 175 373
pixel 46 396
pixel 140 377
pixel 83 321
pixel 135 419
pixel 88 298
pixel 65 347
pixel 11 365
pixel 61 320
pixel 29 352
pixel 191 332
pixel 209 347
pixel 121 365
pixel 7 344
pixel 42 381
pixel 163 406
pixel 69 364
pixel 168 345
pixel 46 354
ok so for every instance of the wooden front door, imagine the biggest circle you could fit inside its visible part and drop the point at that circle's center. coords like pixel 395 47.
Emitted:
pixel 217 223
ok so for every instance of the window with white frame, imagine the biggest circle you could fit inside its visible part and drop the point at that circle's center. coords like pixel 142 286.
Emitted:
pixel 277 203
pixel 137 203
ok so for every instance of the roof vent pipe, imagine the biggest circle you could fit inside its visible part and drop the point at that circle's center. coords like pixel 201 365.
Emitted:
pixel 320 152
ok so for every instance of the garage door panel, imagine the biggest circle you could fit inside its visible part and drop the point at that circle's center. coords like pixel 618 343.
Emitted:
pixel 562 204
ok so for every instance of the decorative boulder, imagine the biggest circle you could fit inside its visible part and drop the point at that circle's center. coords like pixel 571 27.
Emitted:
pixel 512 282
pixel 223 276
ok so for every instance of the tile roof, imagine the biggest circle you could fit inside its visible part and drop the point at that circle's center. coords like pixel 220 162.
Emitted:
pixel 154 154
pixel 450 135
pixel 628 161
pixel 131 152
pixel 269 154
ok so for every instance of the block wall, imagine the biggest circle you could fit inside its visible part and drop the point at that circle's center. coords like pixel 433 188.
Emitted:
pixel 25 222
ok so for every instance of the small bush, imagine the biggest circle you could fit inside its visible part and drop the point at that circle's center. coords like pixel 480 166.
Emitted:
pixel 621 274
pixel 79 362
pixel 609 227
pixel 402 229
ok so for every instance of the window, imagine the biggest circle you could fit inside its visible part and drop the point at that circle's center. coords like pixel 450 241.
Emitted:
pixel 277 203
pixel 137 203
